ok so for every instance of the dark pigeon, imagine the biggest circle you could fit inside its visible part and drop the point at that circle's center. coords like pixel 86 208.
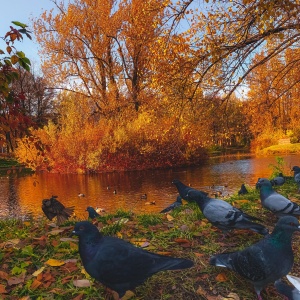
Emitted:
pixel 53 208
pixel 274 201
pixel 278 180
pixel 184 189
pixel 92 212
pixel 296 170
pixel 118 264
pixel 243 190
pixel 175 204
pixel 266 261
pixel 224 216
pixel 292 293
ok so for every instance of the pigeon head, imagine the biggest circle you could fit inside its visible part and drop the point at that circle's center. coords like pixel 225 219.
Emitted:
pixel 85 228
pixel 263 182
pixel 296 169
pixel 288 224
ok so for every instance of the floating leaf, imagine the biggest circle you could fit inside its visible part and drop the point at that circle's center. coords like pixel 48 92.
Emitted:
pixel 81 283
pixel 54 262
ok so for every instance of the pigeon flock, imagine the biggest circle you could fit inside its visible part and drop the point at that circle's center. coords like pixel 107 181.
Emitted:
pixel 122 266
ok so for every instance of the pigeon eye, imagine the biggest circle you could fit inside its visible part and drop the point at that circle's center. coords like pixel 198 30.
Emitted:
pixel 292 224
pixel 81 227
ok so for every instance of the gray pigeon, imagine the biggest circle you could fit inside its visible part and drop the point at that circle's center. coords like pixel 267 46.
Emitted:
pixel 296 170
pixel 223 215
pixel 118 264
pixel 243 190
pixel 278 180
pixel 175 204
pixel 274 201
pixel 266 261
pixel 92 212
pixel 292 293
pixel 184 189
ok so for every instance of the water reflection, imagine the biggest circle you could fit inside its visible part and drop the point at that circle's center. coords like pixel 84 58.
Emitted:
pixel 23 195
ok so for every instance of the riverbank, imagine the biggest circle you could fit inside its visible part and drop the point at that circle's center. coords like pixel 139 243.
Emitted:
pixel 280 149
pixel 39 261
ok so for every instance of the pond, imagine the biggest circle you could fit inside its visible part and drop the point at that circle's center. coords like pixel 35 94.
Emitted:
pixel 21 196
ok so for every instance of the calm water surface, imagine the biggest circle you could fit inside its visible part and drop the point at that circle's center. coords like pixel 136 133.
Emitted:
pixel 22 195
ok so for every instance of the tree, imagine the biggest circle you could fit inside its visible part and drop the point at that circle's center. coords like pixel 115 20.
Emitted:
pixel 13 120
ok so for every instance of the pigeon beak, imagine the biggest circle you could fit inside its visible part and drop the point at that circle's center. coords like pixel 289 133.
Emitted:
pixel 73 232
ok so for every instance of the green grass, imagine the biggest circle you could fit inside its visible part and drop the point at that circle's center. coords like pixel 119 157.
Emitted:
pixel 280 149
pixel 25 247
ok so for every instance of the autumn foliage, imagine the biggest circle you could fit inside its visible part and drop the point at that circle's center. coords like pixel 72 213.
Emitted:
pixel 157 83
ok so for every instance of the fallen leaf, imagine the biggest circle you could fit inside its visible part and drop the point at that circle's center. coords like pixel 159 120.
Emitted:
pixel 55 231
pixel 169 217
pixel 231 296
pixel 54 262
pixel 181 241
pixel 81 283
pixel 2 289
pixel 35 284
pixel 37 272
pixel 14 280
pixel 221 277
pixel 66 239
pixel 3 275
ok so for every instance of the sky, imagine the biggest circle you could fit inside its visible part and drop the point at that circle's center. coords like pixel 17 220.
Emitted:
pixel 23 11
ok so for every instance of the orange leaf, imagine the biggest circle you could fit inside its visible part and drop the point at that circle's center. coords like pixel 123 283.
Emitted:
pixel 35 284
pixel 181 241
pixel 221 277
pixel 3 275
pixel 2 289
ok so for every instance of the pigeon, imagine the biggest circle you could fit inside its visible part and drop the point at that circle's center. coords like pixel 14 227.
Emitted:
pixel 223 215
pixel 274 201
pixel 175 204
pixel 92 212
pixel 265 261
pixel 81 195
pixel 243 190
pixel 278 180
pixel 118 264
pixel 292 293
pixel 296 170
pixel 53 208
pixel 144 196
pixel 184 189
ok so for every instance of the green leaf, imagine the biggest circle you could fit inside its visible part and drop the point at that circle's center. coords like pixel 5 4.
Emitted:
pixel 21 54
pixel 7 62
pixel 17 23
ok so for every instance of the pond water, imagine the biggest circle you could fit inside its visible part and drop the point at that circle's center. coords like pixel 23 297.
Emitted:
pixel 23 195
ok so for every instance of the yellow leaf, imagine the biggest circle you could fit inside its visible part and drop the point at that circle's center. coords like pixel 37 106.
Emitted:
pixel 169 217
pixel 14 59
pixel 54 262
pixel 39 271
pixel 184 202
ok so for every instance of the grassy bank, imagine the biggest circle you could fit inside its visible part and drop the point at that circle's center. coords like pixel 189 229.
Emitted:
pixel 280 149
pixel 38 261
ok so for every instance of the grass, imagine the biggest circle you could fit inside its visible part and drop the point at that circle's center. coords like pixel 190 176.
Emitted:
pixel 26 247
pixel 280 149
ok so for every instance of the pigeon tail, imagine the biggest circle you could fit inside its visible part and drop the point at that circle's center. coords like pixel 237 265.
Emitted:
pixel 287 290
